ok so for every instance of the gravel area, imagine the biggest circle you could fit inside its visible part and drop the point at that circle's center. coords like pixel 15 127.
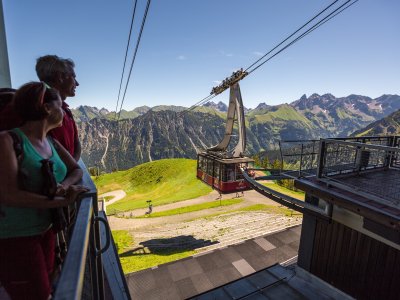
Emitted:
pixel 201 230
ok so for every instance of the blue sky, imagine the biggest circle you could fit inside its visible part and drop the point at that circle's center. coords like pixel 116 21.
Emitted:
pixel 188 46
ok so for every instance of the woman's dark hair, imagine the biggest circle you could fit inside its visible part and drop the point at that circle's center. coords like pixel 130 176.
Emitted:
pixel 30 98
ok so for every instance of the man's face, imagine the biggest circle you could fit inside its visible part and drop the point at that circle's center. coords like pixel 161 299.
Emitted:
pixel 68 84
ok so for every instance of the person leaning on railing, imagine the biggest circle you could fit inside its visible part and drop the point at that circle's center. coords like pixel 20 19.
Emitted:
pixel 29 194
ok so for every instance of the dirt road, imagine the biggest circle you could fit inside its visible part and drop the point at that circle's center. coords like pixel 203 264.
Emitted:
pixel 206 227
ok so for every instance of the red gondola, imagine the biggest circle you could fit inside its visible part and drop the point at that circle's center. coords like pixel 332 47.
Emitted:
pixel 223 174
pixel 217 166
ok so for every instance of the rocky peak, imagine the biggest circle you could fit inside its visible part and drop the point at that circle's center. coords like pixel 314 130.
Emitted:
pixel 262 106
pixel 220 106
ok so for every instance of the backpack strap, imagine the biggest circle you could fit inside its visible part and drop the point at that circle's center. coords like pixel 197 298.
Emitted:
pixel 17 145
pixel 23 175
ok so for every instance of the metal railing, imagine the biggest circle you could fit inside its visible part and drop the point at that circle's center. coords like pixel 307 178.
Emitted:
pixel 82 272
pixel 300 158
pixel 356 166
pixel 342 157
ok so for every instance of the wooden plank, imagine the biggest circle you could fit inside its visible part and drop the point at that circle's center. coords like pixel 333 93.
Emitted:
pixel 362 255
pixel 338 256
pixel 331 252
pixel 381 273
pixel 327 240
pixel 355 271
pixel 387 233
pixel 344 254
pixel 315 265
pixel 390 262
pixel 391 210
pixel 395 284
pixel 371 277
pixel 350 262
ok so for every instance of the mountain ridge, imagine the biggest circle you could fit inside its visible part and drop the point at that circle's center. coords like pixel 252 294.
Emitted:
pixel 172 132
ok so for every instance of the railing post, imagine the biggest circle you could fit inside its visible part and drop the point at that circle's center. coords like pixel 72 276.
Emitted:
pixel 93 263
pixel 98 258
pixel 321 156
pixel 301 159
pixel 71 280
pixel 95 240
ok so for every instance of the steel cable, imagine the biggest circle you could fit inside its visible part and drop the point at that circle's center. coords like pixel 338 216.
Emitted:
pixel 134 56
pixel 325 19
pixel 312 19
pixel 315 26
pixel 126 54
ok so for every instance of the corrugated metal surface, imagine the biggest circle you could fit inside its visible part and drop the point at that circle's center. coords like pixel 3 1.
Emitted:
pixel 355 263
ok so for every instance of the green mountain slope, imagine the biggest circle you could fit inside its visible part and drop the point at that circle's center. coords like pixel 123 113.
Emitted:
pixel 386 126
pixel 163 181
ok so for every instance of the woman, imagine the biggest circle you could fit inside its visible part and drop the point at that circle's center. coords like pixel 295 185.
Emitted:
pixel 26 238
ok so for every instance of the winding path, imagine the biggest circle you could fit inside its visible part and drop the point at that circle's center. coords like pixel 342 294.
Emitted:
pixel 250 198
pixel 118 195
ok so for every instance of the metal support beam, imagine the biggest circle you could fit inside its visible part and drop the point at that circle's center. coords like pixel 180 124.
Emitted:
pixel 235 113
pixel 5 77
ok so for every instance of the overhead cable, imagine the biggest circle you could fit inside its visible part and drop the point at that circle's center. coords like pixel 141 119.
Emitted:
pixel 315 26
pixel 325 19
pixel 134 56
pixel 309 21
pixel 126 54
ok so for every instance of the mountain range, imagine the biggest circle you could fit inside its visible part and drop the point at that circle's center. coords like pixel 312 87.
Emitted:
pixel 389 125
pixel 146 134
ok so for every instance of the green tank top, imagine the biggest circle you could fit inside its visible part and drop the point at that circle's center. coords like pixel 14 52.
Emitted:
pixel 19 222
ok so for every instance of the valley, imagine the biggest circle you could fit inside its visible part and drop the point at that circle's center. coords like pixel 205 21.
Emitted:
pixel 187 218
pixel 197 232
pixel 149 134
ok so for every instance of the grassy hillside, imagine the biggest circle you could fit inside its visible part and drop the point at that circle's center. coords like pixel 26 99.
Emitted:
pixel 283 112
pixel 386 126
pixel 163 181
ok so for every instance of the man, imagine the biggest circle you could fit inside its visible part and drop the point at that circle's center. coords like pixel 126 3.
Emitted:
pixel 59 73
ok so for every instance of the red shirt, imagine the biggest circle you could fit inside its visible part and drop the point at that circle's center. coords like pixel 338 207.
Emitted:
pixel 67 134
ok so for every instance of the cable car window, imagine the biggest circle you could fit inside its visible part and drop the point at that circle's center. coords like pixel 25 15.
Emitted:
pixel 230 172
pixel 216 170
pixel 202 163
pixel 238 174
pixel 210 167
pixel 223 173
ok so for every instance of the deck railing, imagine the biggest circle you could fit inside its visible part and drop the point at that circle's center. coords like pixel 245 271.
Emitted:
pixel 300 158
pixel 82 272
pixel 347 164
pixel 338 157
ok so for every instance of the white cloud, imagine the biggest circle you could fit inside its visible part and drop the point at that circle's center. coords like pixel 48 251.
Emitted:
pixel 225 53
pixel 181 57
pixel 257 53
pixel 217 81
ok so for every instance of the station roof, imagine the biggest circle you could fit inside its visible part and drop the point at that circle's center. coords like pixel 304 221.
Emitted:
pixel 189 277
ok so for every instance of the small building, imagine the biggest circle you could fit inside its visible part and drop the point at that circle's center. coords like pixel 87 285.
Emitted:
pixel 356 248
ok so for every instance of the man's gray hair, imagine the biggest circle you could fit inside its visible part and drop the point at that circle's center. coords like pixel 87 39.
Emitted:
pixel 49 66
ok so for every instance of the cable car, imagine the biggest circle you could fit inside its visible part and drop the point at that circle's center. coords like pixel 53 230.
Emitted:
pixel 223 174
pixel 217 166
